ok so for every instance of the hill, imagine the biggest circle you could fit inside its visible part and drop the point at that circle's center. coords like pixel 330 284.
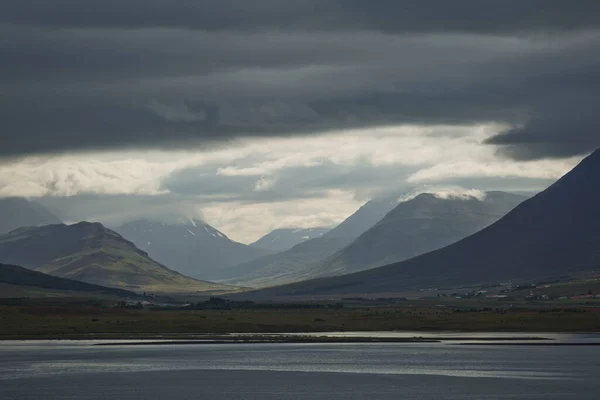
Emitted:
pixel 419 225
pixel 553 235
pixel 189 246
pixel 91 253
pixel 23 277
pixel 17 212
pixel 284 239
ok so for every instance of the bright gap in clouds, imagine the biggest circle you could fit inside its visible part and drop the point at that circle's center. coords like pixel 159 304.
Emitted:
pixel 256 185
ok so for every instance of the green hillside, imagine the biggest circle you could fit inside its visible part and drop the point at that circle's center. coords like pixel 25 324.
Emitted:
pixel 91 253
pixel 19 276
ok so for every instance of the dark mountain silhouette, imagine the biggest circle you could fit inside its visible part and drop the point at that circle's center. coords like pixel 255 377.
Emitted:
pixel 17 212
pixel 285 238
pixel 91 253
pixel 189 246
pixel 552 235
pixel 19 276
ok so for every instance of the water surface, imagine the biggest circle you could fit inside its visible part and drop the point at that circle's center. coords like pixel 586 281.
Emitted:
pixel 80 370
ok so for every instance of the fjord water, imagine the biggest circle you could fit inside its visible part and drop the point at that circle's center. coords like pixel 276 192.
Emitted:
pixel 80 370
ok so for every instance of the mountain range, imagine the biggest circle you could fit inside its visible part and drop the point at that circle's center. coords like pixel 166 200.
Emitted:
pixel 91 253
pixel 553 235
pixel 415 226
pixel 424 223
pixel 290 265
pixel 189 246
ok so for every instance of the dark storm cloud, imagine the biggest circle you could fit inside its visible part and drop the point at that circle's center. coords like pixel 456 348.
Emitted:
pixel 133 74
pixel 384 15
pixel 561 127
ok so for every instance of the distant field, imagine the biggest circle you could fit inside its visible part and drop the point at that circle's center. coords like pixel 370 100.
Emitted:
pixel 22 322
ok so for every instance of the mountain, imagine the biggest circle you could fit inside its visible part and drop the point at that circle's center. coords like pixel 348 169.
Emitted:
pixel 285 267
pixel 91 253
pixel 28 279
pixel 422 224
pixel 364 218
pixel 284 239
pixel 292 265
pixel 553 235
pixel 16 212
pixel 189 246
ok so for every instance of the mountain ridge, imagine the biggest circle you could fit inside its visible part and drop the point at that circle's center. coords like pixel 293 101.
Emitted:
pixel 416 226
pixel 425 222
pixel 281 268
pixel 555 234
pixel 189 246
pixel 92 253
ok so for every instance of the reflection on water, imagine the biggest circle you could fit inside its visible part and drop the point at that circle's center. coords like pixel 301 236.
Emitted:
pixel 70 370
pixel 556 337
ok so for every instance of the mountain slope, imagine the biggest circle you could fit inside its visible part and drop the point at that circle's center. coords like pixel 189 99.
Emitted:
pixel 292 265
pixel 282 267
pixel 554 234
pixel 16 212
pixel 191 247
pixel 413 227
pixel 422 224
pixel 364 218
pixel 19 276
pixel 91 253
pixel 284 239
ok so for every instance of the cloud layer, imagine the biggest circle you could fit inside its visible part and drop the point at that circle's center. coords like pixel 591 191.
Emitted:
pixel 266 114
pixel 255 186
pixel 104 75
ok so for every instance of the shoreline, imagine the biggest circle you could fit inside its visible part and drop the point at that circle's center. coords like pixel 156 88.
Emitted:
pixel 304 337
pixel 266 339
pixel 452 338
pixel 434 337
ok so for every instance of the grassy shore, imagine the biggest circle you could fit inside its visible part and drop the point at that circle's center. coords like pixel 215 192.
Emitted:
pixel 79 322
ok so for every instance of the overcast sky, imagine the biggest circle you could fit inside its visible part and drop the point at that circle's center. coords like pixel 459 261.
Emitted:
pixel 265 114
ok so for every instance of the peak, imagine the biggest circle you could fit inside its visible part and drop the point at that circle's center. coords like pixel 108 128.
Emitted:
pixel 444 196
pixel 590 163
pixel 593 157
pixel 425 196
pixel 581 181
pixel 88 225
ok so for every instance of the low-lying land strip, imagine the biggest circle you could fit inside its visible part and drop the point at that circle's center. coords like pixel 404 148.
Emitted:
pixel 96 321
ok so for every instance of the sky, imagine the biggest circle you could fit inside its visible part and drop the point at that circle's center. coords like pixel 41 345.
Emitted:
pixel 266 114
